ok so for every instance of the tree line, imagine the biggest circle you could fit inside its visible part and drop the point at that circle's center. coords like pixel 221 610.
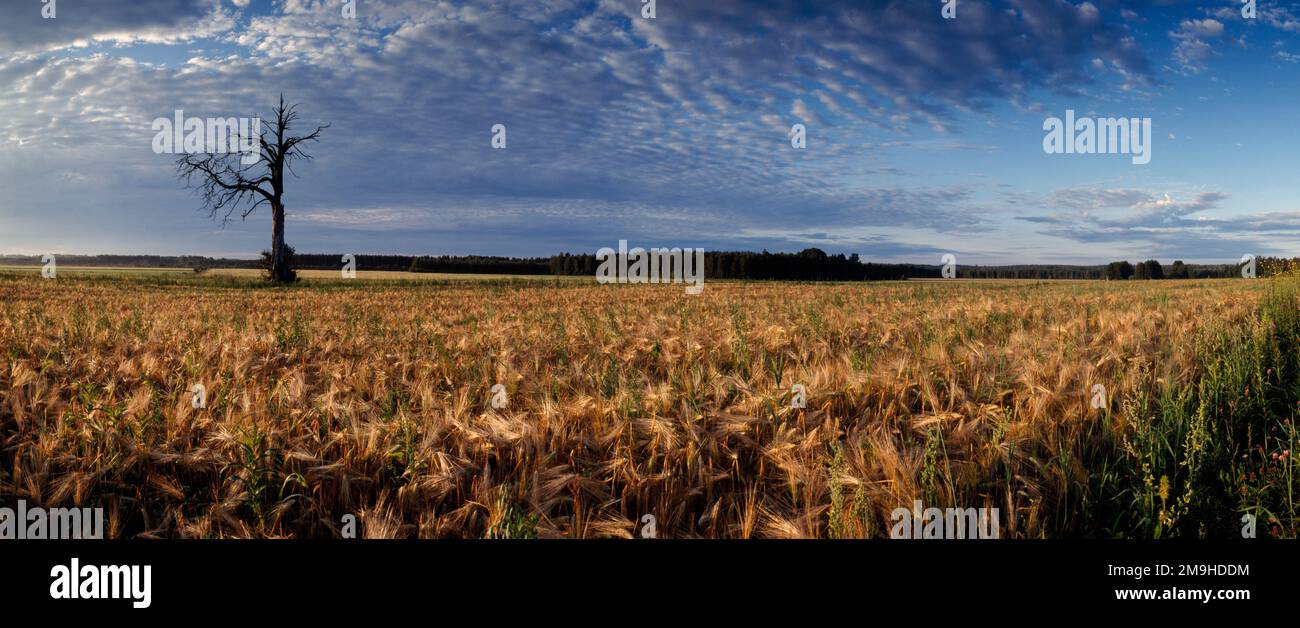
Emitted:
pixel 807 265
pixel 1153 269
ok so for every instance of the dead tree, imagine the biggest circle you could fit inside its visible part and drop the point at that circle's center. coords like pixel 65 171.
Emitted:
pixel 229 185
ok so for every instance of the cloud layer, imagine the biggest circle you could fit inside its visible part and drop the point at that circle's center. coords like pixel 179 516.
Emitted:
pixel 670 130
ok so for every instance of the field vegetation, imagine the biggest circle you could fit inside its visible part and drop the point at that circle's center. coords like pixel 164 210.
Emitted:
pixel 374 398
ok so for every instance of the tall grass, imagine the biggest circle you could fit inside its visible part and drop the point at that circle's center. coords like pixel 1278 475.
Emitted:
pixel 1190 459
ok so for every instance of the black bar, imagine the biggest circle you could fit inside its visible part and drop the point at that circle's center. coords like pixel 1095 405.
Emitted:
pixel 296 579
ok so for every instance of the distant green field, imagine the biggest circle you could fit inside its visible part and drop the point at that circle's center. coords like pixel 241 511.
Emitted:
pixel 307 275
pixel 94 269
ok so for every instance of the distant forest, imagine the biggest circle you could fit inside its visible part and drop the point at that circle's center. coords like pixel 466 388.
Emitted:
pixel 807 265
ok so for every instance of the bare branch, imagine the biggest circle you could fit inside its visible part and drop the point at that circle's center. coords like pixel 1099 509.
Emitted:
pixel 228 185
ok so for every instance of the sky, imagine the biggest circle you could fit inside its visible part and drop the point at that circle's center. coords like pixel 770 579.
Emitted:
pixel 924 135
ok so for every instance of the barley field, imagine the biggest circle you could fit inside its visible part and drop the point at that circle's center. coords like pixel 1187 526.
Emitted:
pixel 375 398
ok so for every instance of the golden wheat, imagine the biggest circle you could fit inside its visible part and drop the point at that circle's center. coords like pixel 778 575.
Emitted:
pixel 622 401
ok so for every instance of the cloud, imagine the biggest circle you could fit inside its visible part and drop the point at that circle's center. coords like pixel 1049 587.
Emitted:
pixel 1161 224
pixel 673 128
pixel 24 29
pixel 682 116
pixel 1084 199
pixel 1192 50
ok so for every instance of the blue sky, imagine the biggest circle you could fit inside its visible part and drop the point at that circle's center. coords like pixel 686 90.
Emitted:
pixel 924 134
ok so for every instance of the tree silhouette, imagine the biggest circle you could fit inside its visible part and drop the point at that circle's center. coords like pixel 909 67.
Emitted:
pixel 1119 270
pixel 228 185
pixel 1150 269
pixel 1179 270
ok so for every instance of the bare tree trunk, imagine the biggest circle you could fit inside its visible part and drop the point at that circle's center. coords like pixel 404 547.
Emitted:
pixel 226 187
pixel 279 258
